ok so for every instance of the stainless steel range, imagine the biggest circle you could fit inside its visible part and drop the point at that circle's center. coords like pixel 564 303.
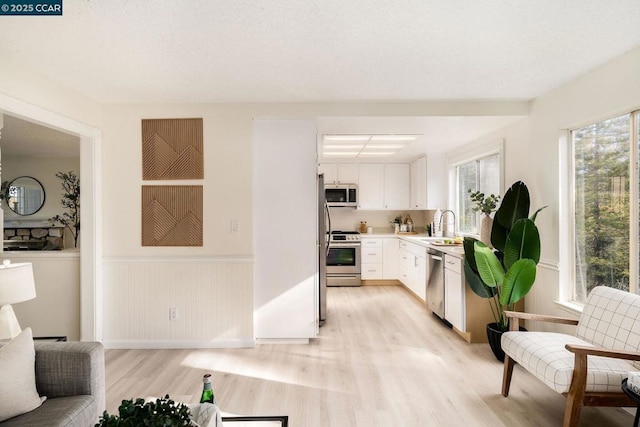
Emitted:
pixel 343 259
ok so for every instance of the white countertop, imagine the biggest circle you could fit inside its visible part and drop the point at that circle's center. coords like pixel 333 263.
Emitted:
pixel 421 239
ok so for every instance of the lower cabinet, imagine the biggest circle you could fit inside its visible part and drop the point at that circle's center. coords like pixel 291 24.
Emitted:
pixel 371 251
pixel 413 268
pixel 468 313
pixel 454 303
pixel 390 259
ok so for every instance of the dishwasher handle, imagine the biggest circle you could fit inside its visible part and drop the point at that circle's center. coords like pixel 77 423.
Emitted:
pixel 437 258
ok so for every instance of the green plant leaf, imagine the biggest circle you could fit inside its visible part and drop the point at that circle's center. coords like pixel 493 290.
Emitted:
pixel 515 205
pixel 489 266
pixel 476 284
pixel 523 242
pixel 518 281
pixel 469 252
pixel 535 214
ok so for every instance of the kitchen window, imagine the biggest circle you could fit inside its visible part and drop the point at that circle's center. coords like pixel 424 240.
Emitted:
pixel 480 174
pixel 603 209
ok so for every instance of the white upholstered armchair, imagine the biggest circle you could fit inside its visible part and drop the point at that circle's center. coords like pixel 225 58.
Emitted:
pixel 587 368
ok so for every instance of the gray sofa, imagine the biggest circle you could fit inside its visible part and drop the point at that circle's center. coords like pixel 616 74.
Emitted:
pixel 71 375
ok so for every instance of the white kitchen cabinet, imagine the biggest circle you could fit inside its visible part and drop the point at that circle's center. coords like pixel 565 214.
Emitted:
pixel 413 268
pixel 371 186
pixel 371 250
pixel 390 259
pixel 406 268
pixel 396 186
pixel 418 173
pixel 380 258
pixel 383 186
pixel 437 181
pixel 420 277
pixel 339 173
pixel 347 173
pixel 454 303
pixel 330 171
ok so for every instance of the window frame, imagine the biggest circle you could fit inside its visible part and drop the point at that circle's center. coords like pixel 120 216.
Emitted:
pixel 469 154
pixel 567 194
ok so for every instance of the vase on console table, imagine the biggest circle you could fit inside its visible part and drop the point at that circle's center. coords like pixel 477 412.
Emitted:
pixel 486 223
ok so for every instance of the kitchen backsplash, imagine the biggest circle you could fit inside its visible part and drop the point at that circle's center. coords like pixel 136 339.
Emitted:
pixel 348 219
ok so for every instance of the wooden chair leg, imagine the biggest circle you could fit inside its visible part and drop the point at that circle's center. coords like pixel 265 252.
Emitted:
pixel 575 397
pixel 506 375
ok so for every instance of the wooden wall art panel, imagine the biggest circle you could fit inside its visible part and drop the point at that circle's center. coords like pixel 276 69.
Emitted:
pixel 172 149
pixel 171 215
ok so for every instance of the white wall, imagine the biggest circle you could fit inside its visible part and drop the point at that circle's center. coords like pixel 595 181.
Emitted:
pixel 285 239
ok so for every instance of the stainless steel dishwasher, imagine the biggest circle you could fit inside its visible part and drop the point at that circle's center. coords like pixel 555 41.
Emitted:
pixel 435 284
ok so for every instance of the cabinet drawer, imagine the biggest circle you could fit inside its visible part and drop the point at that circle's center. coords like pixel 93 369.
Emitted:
pixel 453 263
pixel 371 243
pixel 371 256
pixel 413 248
pixel 371 271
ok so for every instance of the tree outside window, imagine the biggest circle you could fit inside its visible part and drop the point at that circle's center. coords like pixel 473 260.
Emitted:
pixel 601 153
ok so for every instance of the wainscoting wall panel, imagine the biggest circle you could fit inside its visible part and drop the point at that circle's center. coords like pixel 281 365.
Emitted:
pixel 213 298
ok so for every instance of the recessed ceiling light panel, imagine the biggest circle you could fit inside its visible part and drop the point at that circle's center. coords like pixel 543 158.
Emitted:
pixel 356 146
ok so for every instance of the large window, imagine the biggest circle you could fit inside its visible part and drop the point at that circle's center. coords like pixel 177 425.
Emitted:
pixel 603 210
pixel 481 174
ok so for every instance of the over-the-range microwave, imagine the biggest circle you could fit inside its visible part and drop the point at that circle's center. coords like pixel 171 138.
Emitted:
pixel 341 195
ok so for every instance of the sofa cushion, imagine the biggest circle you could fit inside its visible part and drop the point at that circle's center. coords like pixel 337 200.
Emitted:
pixel 68 411
pixel 611 319
pixel 18 393
pixel 543 354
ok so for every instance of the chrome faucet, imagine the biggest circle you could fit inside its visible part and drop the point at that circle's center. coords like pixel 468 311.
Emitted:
pixel 454 222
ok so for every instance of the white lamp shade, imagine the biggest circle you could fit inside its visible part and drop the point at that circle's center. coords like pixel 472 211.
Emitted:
pixel 16 283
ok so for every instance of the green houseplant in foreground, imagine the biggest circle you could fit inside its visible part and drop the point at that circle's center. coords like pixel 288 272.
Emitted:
pixel 161 412
pixel 505 274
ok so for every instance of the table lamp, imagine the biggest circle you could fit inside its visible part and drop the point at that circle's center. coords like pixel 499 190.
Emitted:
pixel 16 285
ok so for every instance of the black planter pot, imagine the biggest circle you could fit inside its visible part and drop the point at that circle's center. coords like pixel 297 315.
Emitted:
pixel 494 335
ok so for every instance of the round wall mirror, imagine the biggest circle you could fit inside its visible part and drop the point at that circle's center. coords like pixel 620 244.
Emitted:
pixel 25 195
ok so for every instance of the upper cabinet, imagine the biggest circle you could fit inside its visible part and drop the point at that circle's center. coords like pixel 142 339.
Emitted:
pixel 396 186
pixel 371 186
pixel 429 182
pixel 419 183
pixel 383 186
pixel 339 173
pixel 437 181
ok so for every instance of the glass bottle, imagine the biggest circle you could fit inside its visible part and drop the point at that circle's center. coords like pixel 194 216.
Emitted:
pixel 207 390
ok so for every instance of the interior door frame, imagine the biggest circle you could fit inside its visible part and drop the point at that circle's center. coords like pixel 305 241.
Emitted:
pixel 91 323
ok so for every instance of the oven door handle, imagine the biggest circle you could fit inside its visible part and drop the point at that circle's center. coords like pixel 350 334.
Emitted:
pixel 344 245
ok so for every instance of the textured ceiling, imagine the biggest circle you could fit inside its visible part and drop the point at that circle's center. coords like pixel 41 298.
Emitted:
pixel 329 50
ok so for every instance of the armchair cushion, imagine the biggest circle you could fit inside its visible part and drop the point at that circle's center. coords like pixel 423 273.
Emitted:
pixel 18 393
pixel 544 355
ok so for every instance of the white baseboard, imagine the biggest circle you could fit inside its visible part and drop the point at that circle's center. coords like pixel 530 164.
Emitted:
pixel 156 345
pixel 282 341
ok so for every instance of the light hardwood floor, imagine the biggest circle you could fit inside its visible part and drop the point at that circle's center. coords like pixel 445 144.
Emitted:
pixel 381 360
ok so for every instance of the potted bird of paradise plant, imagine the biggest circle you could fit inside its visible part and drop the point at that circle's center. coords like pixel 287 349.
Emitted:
pixel 505 274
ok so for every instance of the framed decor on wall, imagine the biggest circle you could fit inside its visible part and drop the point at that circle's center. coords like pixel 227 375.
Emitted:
pixel 172 149
pixel 172 215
